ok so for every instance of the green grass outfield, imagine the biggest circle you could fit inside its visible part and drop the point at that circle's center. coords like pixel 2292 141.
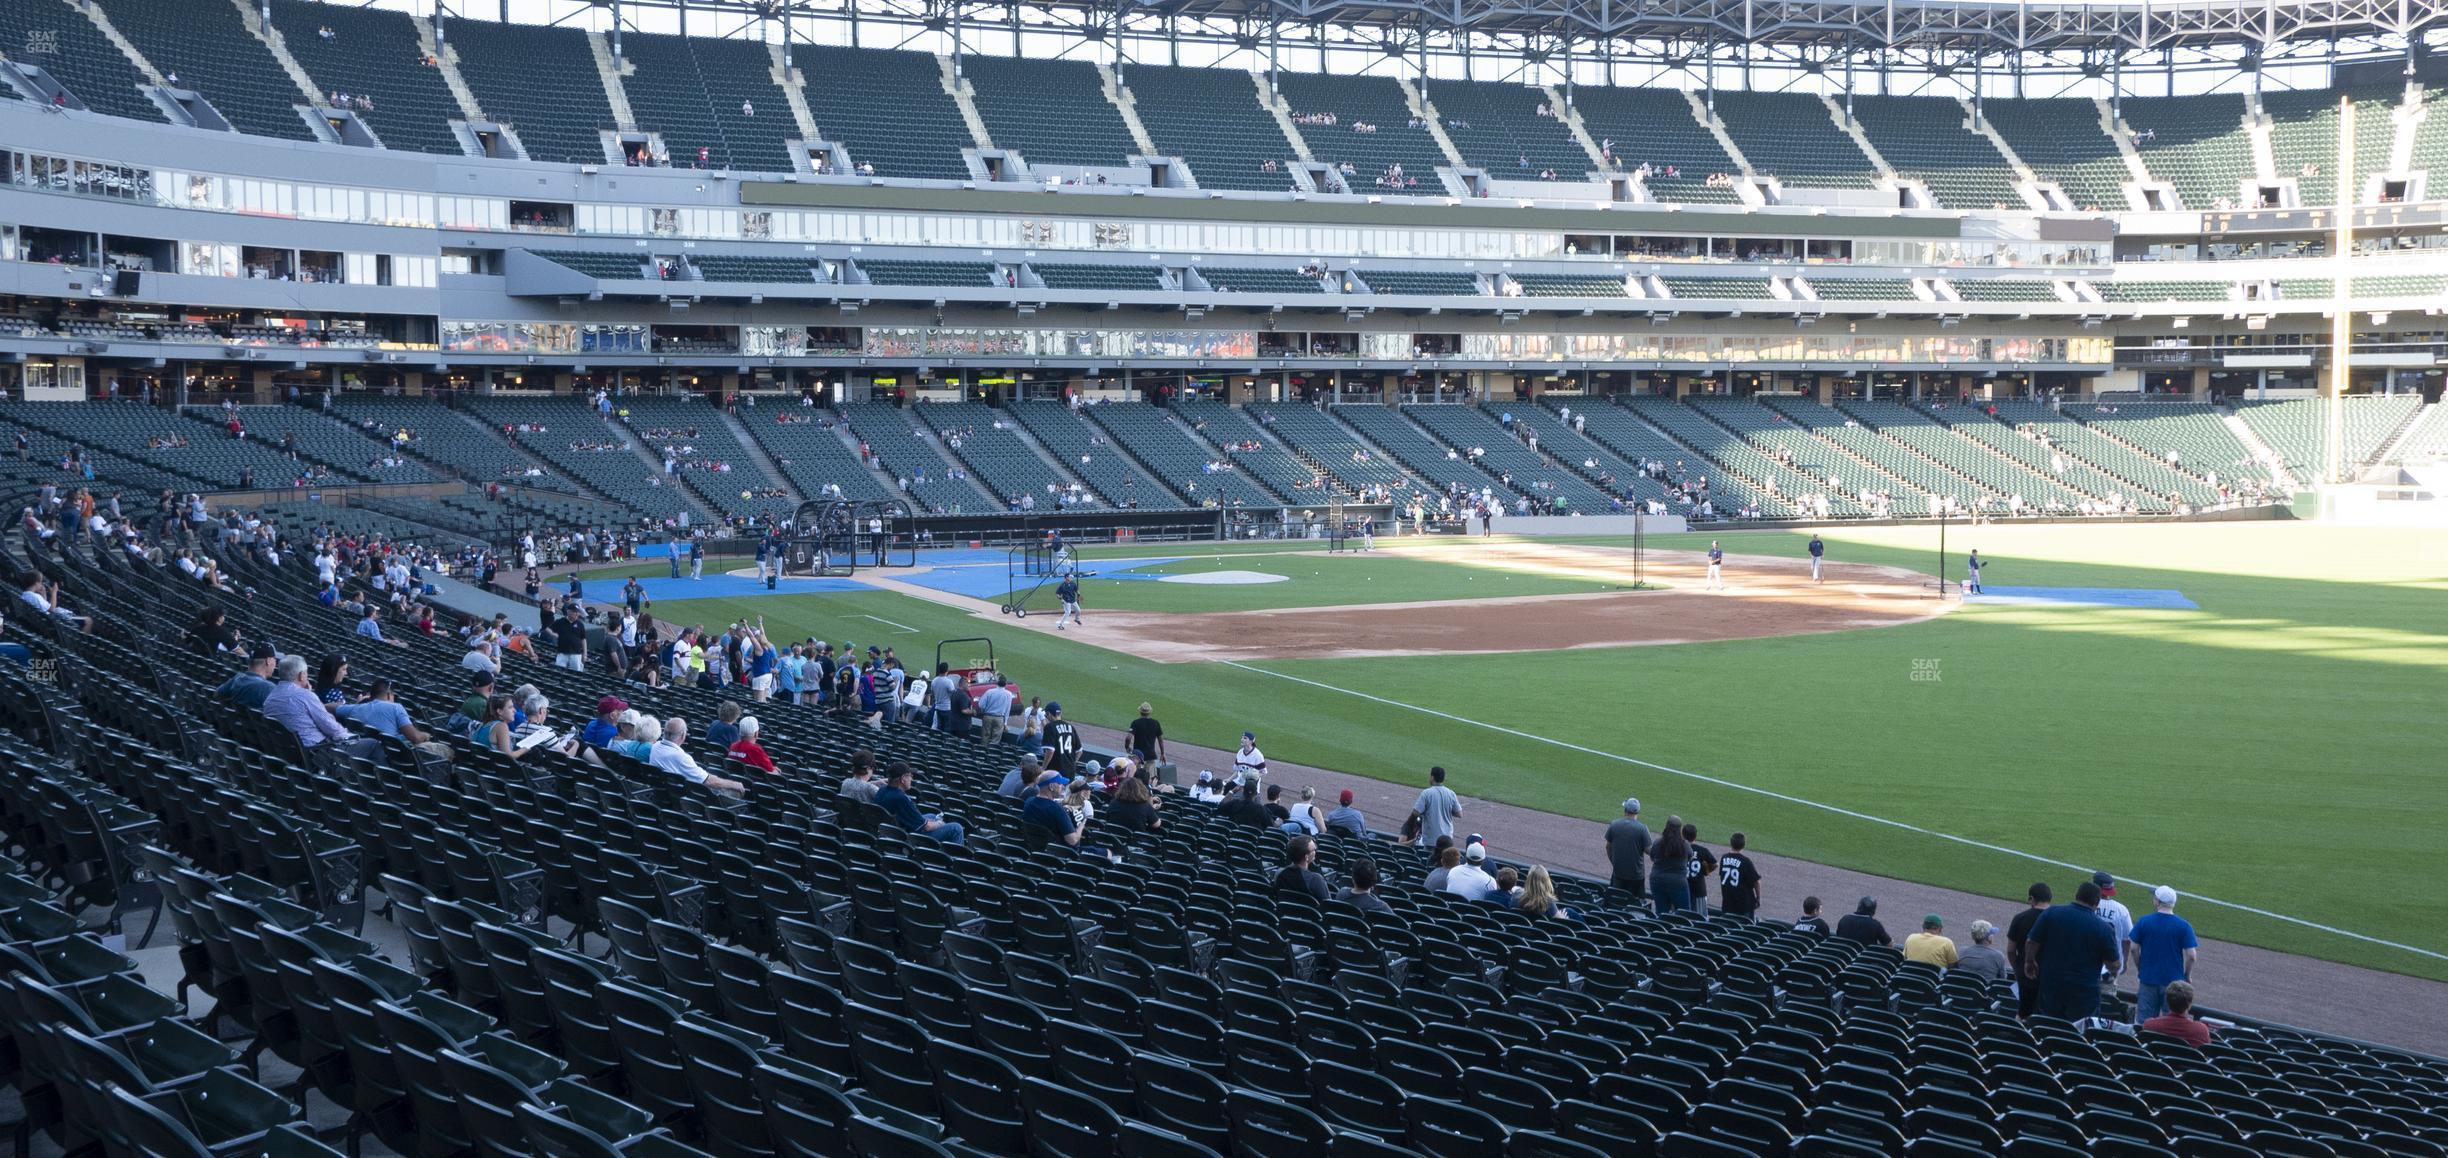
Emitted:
pixel 2278 748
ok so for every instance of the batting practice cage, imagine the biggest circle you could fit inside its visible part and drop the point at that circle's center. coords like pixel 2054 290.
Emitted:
pixel 834 537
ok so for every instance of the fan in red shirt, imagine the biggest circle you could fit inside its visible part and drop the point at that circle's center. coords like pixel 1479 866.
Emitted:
pixel 747 751
pixel 2178 1022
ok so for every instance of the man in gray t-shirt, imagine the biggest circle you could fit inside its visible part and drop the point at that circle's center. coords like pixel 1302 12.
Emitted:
pixel 1627 843
pixel 1437 807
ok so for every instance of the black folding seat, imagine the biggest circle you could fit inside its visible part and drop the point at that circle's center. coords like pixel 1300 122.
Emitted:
pixel 1064 1123
pixel 1266 1127
pixel 680 959
pixel 1044 982
pixel 641 1021
pixel 812 1029
pixel 718 1060
pixel 510 950
pixel 1615 1128
pixel 1686 1145
pixel 220 1113
pixel 870 1138
pixel 1356 1099
pixel 1085 1058
pixel 891 1056
pixel 936 1000
pixel 582 1031
pixel 1009 1028
pixel 633 949
pixel 1663 1104
pixel 1268 1065
pixel 1760 1131
pixel 807 1116
pixel 1181 1098
pixel 417 1046
pixel 1109 1007
pixel 1451 1130
pixel 980 1096
pixel 1140 1140
pixel 490 1083
pixel 568 1118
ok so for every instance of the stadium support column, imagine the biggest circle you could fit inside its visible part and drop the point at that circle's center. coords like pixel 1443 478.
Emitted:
pixel 2341 323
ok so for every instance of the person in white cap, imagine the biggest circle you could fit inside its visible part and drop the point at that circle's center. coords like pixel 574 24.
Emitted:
pixel 1470 879
pixel 2160 950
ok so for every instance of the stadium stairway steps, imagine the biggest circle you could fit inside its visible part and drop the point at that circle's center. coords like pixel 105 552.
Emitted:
pixel 940 460
pixel 1117 94
pixel 608 69
pixel 2025 175
pixel 1977 485
pixel 2392 448
pixel 1894 483
pixel 698 508
pixel 1697 455
pixel 793 84
pixel 2104 430
pixel 575 483
pixel 1716 127
pixel 1580 132
pixel 1851 126
pixel 252 17
pixel 964 98
pixel 1025 437
pixel 2269 456
pixel 447 63
pixel 757 456
pixel 2022 469
pixel 1174 417
pixel 102 21
pixel 1376 449
pixel 1276 107
pixel 883 477
pixel 1417 98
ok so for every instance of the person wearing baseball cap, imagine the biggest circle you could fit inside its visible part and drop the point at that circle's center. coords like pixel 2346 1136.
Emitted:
pixel 1470 880
pixel 2160 950
pixel 2120 926
pixel 606 724
pixel 1931 946
pixel 1346 820
pixel 253 683
pixel 1064 738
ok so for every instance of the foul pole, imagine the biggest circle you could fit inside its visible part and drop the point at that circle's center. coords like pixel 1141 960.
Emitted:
pixel 2341 321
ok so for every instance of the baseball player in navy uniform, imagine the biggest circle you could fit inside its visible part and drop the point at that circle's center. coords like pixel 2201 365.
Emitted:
pixel 1972 568
pixel 1716 568
pixel 1068 592
pixel 1818 551
pixel 1368 534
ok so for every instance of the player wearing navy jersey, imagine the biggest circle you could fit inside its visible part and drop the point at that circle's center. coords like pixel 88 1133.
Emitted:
pixel 1068 592
pixel 1818 552
pixel 1738 880
pixel 1716 567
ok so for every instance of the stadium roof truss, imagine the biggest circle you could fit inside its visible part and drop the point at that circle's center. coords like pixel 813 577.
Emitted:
pixel 1939 38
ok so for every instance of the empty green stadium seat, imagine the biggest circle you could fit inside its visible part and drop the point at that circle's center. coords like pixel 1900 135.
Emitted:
pixel 541 81
pixel 211 52
pixel 1211 118
pixel 1498 127
pixel 888 108
pixel 1053 111
pixel 375 55
pixel 1791 137
pixel 1927 138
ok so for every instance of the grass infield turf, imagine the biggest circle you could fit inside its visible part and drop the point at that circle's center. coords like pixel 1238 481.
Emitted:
pixel 2277 748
